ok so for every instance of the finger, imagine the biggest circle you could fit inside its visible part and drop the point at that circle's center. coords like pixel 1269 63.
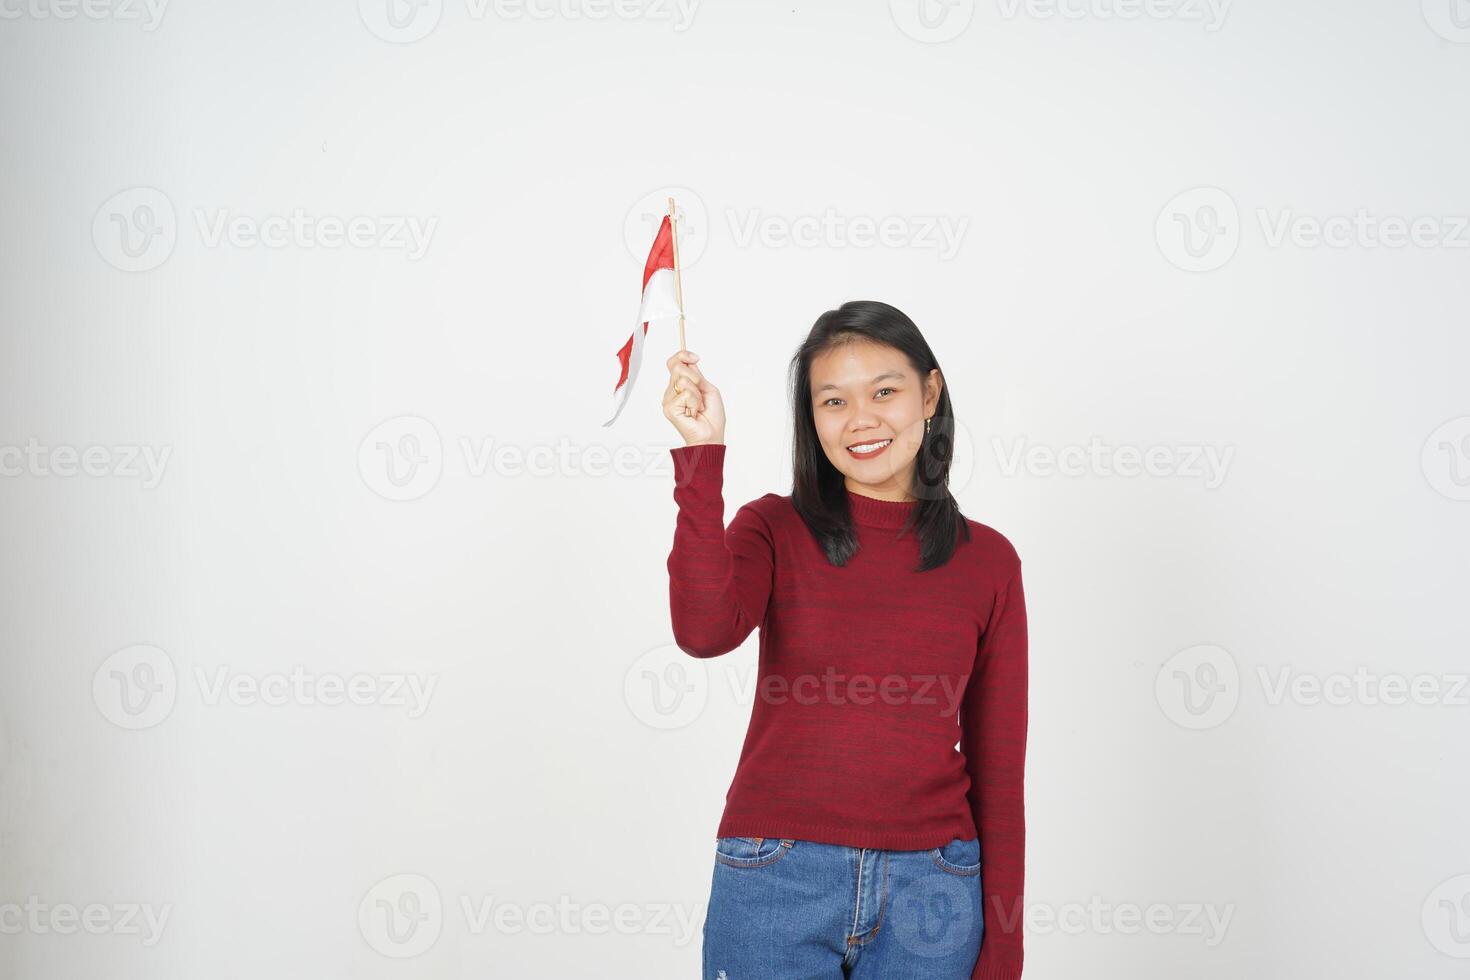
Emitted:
pixel 689 372
pixel 682 378
pixel 690 401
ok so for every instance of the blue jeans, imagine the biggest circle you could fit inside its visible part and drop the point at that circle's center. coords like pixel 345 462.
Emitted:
pixel 783 909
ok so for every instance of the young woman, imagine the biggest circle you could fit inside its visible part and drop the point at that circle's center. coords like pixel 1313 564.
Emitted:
pixel 883 766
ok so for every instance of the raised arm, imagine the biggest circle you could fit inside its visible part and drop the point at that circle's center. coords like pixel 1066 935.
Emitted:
pixel 993 739
pixel 719 578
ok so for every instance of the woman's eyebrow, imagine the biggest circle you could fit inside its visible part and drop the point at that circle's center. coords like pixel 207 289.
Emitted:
pixel 886 375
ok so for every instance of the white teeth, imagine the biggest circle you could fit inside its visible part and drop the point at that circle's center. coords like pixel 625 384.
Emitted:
pixel 870 446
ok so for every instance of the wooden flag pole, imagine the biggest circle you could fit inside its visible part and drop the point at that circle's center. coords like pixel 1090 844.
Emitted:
pixel 678 287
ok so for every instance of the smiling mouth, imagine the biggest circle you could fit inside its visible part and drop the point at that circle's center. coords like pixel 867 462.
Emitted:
pixel 863 450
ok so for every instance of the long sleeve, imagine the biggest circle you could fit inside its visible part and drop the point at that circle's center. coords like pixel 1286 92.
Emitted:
pixel 993 739
pixel 719 578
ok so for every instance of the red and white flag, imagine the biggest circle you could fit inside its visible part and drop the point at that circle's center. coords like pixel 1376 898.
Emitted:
pixel 659 300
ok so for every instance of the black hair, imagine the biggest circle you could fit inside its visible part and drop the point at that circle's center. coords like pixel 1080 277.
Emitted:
pixel 817 488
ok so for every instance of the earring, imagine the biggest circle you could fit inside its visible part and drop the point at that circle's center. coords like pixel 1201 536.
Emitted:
pixel 926 426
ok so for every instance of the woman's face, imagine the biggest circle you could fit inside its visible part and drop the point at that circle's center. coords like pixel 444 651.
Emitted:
pixel 866 394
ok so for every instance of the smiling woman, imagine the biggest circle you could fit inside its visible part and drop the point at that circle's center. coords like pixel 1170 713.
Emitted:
pixel 861 798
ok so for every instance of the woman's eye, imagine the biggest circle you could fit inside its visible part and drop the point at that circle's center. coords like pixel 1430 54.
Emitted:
pixel 881 390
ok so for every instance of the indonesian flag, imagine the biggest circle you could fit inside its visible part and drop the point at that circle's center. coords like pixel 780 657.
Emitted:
pixel 659 301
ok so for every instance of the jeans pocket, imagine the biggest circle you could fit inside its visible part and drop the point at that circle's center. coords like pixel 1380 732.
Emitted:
pixel 959 856
pixel 751 852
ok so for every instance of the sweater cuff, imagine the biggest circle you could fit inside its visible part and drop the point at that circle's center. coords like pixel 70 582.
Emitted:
pixel 994 969
pixel 698 462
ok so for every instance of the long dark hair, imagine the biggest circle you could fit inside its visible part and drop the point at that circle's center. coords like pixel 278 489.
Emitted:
pixel 817 489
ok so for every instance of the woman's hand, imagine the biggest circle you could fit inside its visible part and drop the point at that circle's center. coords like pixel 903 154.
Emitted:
pixel 692 403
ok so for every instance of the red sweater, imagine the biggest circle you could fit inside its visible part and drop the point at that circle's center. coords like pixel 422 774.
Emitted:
pixel 869 677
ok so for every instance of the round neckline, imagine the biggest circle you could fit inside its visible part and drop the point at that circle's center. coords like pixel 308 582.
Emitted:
pixel 878 513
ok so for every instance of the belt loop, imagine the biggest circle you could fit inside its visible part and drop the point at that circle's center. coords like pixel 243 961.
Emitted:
pixel 758 841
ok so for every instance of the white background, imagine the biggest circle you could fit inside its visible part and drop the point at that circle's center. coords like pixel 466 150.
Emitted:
pixel 568 756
